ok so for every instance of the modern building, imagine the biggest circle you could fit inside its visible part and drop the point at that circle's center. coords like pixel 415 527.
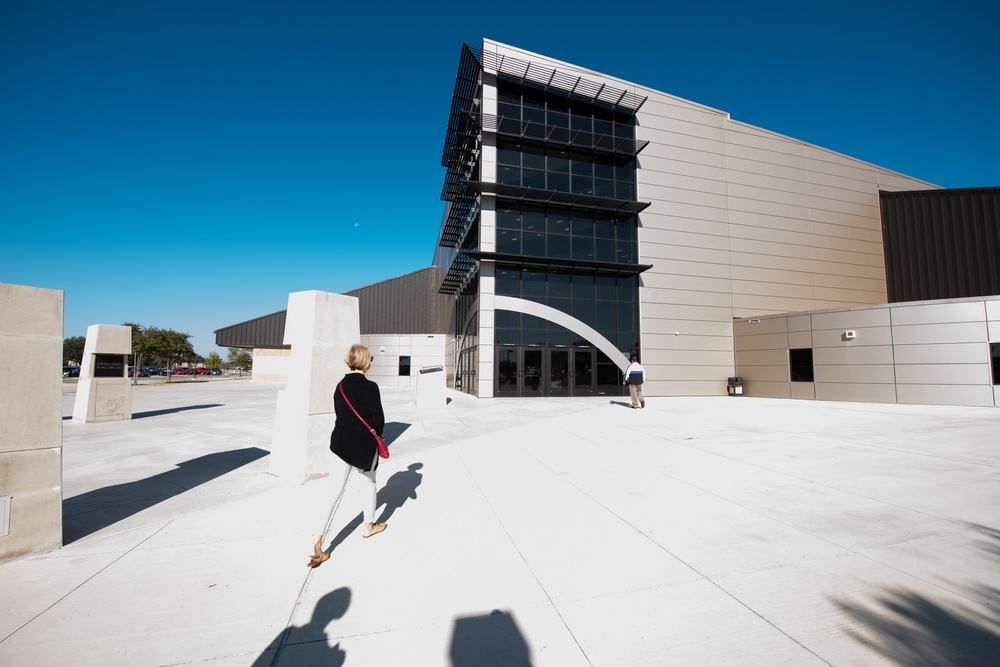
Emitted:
pixel 589 218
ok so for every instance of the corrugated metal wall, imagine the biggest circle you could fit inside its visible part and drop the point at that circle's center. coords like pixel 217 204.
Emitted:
pixel 266 331
pixel 408 304
pixel 941 244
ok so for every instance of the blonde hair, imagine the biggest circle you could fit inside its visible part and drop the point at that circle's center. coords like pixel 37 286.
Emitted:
pixel 358 358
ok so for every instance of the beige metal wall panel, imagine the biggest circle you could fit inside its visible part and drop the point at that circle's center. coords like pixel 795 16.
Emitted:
pixel 709 359
pixel 774 341
pixel 868 233
pixel 694 240
pixel 956 332
pixel 769 325
pixel 878 336
pixel 761 358
pixel 701 347
pixel 993 310
pixel 802 390
pixel 971 374
pixel 854 374
pixel 954 353
pixel 933 313
pixel 669 281
pixel 767 389
pixel 799 323
pixel 853 355
pixel 851 319
pixel 685 388
pixel 745 305
pixel 993 329
pixel 855 283
pixel 764 373
pixel 862 393
pixel 687 298
pixel 799 340
pixel 668 327
pixel 687 374
pixel 945 395
pixel 827 297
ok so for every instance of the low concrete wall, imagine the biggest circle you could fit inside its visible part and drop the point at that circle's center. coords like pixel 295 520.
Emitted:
pixel 928 352
pixel 31 417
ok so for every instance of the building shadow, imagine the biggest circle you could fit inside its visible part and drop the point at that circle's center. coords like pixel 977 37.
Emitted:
pixel 393 430
pixel 169 411
pixel 308 644
pixel 95 510
pixel 491 640
pixel 399 488
pixel 908 628
pixel 157 413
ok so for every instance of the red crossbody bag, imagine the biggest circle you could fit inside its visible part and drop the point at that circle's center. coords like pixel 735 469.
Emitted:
pixel 383 451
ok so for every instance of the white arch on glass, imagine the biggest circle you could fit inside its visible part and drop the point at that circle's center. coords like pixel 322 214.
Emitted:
pixel 551 314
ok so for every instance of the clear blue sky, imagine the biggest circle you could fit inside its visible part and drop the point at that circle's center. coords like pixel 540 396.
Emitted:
pixel 186 164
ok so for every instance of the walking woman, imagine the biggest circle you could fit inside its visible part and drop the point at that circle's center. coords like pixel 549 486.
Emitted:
pixel 353 442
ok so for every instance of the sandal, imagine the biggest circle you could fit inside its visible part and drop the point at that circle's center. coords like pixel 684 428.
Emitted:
pixel 318 556
pixel 376 529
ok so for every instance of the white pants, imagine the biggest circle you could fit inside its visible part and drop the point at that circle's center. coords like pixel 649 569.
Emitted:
pixel 340 485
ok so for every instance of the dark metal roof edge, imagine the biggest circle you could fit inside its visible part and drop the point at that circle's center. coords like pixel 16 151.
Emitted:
pixel 252 319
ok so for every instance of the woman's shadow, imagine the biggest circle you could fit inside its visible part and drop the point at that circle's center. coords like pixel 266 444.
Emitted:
pixel 305 644
pixel 397 490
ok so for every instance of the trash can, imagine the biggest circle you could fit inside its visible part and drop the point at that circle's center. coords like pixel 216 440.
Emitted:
pixel 735 386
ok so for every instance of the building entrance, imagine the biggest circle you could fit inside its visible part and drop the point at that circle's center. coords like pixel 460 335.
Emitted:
pixel 545 371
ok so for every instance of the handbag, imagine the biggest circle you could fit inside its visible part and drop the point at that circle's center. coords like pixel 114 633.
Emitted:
pixel 383 451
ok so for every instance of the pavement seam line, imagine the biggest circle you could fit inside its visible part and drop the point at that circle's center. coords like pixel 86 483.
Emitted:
pixel 675 557
pixel 541 586
pixel 86 581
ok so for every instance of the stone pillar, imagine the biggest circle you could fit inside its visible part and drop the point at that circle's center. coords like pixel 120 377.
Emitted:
pixel 31 344
pixel 104 393
pixel 320 327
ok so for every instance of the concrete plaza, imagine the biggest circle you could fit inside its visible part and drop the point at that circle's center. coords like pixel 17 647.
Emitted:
pixel 563 532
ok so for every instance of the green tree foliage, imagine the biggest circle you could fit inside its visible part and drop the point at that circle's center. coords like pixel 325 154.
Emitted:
pixel 240 357
pixel 213 360
pixel 73 349
pixel 164 346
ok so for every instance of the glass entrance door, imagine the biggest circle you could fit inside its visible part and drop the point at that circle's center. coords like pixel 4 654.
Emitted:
pixel 544 371
pixel 558 378
pixel 583 373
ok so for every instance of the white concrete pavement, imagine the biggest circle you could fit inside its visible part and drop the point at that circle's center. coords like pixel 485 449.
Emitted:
pixel 697 531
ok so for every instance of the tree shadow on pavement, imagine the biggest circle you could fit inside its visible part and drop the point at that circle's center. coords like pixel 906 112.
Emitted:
pixel 908 628
pixel 307 644
pixel 95 510
pixel 399 488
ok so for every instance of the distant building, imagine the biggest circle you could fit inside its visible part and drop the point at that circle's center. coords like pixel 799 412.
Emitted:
pixel 589 218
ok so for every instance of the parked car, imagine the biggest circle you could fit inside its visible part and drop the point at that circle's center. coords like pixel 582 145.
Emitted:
pixel 71 371
pixel 202 371
pixel 216 371
pixel 132 372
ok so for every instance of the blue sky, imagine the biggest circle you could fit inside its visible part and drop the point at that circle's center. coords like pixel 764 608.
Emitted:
pixel 187 164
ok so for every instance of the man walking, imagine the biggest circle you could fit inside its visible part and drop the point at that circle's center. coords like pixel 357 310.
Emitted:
pixel 634 376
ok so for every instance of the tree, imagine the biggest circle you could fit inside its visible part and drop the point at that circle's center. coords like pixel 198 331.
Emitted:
pixel 213 360
pixel 164 346
pixel 241 358
pixel 73 349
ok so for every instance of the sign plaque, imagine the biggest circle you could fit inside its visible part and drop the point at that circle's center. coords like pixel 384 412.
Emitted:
pixel 109 365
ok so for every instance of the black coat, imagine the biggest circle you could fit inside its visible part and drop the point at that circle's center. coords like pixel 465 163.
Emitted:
pixel 350 440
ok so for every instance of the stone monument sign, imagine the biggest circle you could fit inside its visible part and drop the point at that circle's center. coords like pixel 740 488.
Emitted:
pixel 104 393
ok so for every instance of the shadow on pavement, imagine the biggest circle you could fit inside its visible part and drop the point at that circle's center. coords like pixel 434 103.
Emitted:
pixel 95 510
pixel 393 430
pixel 397 490
pixel 493 640
pixel 169 411
pixel 911 629
pixel 307 644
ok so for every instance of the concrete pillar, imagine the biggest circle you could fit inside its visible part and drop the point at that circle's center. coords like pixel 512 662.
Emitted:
pixel 104 393
pixel 31 321
pixel 320 328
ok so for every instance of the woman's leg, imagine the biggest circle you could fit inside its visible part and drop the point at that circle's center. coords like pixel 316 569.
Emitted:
pixel 371 528
pixel 339 485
